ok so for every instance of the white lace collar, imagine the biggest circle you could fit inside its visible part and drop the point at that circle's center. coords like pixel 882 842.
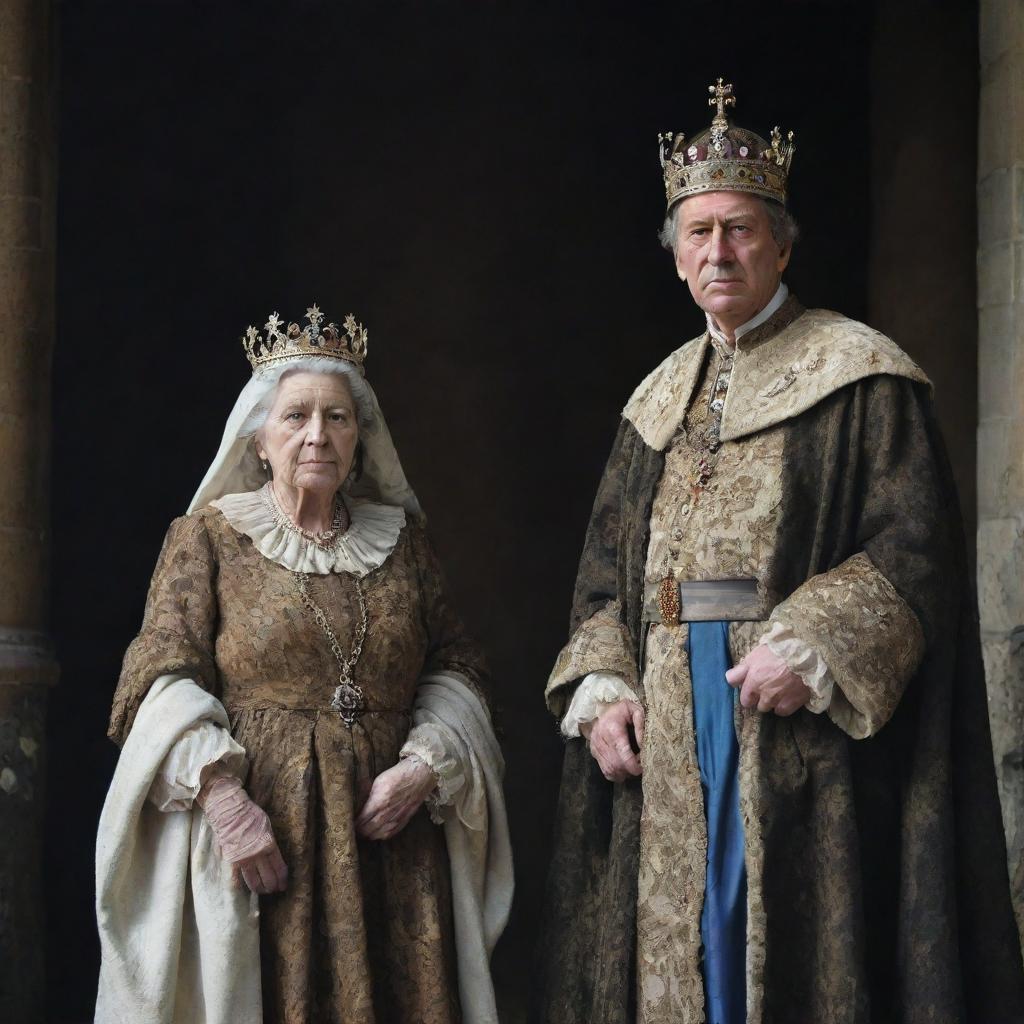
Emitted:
pixel 372 535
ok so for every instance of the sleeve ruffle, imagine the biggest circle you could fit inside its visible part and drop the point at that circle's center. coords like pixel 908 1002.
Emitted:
pixel 189 763
pixel 596 692
pixel 434 747
pixel 805 661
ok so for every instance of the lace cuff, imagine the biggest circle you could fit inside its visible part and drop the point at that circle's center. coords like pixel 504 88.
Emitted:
pixel 805 661
pixel 592 696
pixel 200 752
pixel 431 745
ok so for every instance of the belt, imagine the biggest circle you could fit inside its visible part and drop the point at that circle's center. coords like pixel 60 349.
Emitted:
pixel 318 708
pixel 674 601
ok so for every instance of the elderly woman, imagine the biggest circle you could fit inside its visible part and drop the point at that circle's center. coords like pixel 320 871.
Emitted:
pixel 301 688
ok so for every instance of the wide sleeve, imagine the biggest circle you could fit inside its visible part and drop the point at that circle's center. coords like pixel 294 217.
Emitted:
pixel 873 616
pixel 599 640
pixel 204 750
pixel 179 625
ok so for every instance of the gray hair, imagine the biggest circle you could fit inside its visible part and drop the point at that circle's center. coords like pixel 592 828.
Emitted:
pixel 365 417
pixel 782 225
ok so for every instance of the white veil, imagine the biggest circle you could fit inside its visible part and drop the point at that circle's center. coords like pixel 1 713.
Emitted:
pixel 236 467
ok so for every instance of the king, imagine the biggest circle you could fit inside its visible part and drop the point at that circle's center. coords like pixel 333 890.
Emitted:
pixel 778 801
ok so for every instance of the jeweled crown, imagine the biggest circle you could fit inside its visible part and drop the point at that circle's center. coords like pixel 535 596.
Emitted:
pixel 292 342
pixel 725 157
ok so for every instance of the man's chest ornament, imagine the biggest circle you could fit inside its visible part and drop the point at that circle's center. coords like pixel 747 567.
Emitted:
pixel 705 437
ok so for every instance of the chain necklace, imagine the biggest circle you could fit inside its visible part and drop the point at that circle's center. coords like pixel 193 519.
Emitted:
pixel 707 442
pixel 326 540
pixel 348 698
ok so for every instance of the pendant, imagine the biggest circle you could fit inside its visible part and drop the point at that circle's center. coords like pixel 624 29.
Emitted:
pixel 348 700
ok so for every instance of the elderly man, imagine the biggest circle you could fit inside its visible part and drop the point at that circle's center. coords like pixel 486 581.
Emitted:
pixel 778 801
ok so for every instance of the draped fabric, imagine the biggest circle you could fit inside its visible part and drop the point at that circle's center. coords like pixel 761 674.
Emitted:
pixel 179 938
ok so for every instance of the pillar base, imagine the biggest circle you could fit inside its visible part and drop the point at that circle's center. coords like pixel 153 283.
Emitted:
pixel 27 670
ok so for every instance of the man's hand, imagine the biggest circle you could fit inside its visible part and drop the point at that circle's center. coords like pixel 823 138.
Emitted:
pixel 768 683
pixel 395 796
pixel 608 736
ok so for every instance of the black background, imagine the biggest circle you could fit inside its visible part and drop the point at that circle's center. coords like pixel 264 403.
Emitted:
pixel 479 184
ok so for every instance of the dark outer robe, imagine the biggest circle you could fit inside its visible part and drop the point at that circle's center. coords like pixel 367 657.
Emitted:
pixel 876 858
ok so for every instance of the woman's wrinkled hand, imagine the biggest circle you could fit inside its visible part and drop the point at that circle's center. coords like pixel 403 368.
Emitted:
pixel 395 796
pixel 767 683
pixel 243 833
pixel 608 736
pixel 264 872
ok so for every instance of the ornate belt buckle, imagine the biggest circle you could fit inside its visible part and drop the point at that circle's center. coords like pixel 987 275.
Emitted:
pixel 668 601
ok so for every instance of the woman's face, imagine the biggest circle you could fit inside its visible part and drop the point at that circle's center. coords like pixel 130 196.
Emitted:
pixel 310 435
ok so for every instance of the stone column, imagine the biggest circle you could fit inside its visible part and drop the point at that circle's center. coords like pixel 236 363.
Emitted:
pixel 1001 403
pixel 27 666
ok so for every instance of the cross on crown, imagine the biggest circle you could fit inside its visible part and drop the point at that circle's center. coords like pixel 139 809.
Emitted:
pixel 721 97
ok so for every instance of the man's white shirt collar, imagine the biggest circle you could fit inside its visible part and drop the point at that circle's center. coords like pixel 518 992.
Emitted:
pixel 780 296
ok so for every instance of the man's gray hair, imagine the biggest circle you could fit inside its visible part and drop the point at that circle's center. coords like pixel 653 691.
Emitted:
pixel 783 227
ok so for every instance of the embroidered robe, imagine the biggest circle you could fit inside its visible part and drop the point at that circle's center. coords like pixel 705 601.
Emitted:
pixel 877 884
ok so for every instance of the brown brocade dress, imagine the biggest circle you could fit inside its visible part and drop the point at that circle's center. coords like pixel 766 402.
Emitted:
pixel 363 934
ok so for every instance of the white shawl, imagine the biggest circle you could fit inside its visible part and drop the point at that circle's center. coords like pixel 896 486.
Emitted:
pixel 163 894
pixel 476 833
pixel 179 938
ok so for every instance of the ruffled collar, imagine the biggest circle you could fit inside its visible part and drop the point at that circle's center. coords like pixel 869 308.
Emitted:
pixel 372 535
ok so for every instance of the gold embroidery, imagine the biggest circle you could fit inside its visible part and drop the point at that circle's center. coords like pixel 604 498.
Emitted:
pixel 868 635
pixel 600 644
pixel 779 375
pixel 823 351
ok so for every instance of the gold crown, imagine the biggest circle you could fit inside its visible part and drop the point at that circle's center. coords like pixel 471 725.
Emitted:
pixel 294 342
pixel 725 157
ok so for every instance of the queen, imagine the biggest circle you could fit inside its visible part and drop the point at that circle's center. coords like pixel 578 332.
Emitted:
pixel 306 822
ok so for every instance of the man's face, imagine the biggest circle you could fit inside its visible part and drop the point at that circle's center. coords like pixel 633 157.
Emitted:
pixel 726 254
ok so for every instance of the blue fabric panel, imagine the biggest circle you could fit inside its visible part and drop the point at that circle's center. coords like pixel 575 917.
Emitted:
pixel 723 922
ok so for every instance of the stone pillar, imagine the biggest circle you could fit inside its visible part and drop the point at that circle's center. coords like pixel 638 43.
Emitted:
pixel 27 666
pixel 921 272
pixel 1001 403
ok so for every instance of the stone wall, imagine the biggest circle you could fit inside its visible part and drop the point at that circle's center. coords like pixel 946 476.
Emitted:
pixel 1001 403
pixel 26 341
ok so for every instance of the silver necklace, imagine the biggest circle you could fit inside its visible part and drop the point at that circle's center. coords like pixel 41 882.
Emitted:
pixel 348 698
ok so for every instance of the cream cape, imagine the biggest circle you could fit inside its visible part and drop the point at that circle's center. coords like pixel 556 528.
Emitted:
pixel 163 893
pixel 773 379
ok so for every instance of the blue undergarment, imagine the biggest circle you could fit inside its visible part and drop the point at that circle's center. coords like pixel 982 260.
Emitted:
pixel 724 917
